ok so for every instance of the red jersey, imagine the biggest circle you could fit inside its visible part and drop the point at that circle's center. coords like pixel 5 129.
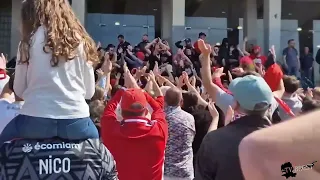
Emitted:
pixel 257 60
pixel 137 143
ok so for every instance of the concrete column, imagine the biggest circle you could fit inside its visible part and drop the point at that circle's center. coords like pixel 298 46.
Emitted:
pixel 316 46
pixel 15 27
pixel 272 26
pixel 80 9
pixel 233 19
pixel 173 20
pixel 250 23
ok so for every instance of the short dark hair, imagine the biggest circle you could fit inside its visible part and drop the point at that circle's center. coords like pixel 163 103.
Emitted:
pixel 110 46
pixel 290 40
pixel 309 105
pixel 189 100
pixel 145 35
pixel 121 36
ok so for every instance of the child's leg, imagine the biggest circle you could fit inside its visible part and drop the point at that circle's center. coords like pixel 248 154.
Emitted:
pixel 10 132
pixel 77 129
pixel 28 127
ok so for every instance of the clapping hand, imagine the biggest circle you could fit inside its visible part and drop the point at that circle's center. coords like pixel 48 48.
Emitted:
pixel 273 52
pixel 218 72
pixel 212 109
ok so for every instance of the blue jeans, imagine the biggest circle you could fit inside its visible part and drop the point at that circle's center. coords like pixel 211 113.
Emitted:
pixel 28 127
pixel 307 79
pixel 293 71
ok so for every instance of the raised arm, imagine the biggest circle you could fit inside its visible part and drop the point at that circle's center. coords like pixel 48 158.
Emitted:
pixel 244 48
pixel 221 98
pixel 178 44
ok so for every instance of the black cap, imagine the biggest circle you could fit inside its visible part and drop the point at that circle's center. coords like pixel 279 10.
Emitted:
pixel 202 34
pixel 187 40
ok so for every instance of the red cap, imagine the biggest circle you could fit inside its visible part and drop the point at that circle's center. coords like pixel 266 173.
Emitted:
pixel 132 97
pixel 213 69
pixel 246 60
pixel 3 74
pixel 140 55
pixel 256 47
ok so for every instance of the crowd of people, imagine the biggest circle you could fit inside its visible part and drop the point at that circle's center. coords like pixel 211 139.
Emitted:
pixel 74 109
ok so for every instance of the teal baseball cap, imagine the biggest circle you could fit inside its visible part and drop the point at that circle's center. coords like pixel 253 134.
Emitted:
pixel 252 93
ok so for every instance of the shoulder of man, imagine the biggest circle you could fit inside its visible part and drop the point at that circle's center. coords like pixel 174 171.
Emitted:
pixel 39 156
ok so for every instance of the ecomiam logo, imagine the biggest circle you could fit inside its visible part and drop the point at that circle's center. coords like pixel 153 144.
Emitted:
pixel 62 145
pixel 27 148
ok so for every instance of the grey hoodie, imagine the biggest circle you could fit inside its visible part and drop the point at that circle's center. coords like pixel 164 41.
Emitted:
pixel 294 103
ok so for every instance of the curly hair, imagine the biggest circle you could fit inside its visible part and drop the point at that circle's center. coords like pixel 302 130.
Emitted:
pixel 64 32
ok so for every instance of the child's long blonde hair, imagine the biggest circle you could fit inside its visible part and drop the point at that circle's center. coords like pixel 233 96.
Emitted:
pixel 64 31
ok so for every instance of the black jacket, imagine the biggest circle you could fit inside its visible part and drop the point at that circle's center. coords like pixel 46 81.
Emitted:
pixel 218 158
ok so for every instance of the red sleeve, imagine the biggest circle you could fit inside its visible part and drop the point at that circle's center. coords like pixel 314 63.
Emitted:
pixel 196 48
pixel 218 82
pixel 157 106
pixel 109 118
pixel 263 59
pixel 158 114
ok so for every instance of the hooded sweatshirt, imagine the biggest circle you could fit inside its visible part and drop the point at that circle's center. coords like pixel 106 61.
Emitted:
pixel 137 143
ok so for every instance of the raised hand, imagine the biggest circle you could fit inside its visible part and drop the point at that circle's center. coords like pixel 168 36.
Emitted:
pixel 230 76
pixel 152 76
pixel 3 62
pixel 273 52
pixel 125 68
pixel 212 109
pixel 107 65
pixel 229 116
pixel 161 80
pixel 218 72
pixel 100 73
pixel 98 45
pixel 193 81
pixel 204 48
pixel 118 76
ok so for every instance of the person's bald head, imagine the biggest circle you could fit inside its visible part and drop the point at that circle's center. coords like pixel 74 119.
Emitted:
pixel 173 97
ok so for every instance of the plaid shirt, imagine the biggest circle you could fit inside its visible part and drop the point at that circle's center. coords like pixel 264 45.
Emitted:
pixel 179 154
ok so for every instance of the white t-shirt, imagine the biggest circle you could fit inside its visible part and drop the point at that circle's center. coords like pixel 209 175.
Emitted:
pixel 8 112
pixel 54 92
